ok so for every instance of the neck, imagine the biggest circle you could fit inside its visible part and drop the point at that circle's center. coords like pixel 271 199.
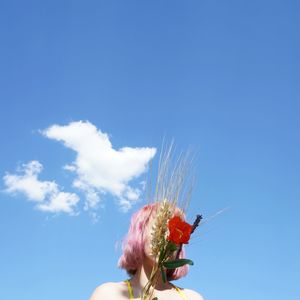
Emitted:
pixel 142 276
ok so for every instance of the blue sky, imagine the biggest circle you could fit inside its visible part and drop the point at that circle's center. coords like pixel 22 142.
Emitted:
pixel 219 76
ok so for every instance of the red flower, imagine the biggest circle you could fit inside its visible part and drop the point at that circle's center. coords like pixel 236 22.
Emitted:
pixel 179 231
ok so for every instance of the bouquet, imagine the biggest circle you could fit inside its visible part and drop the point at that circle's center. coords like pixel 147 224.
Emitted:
pixel 168 236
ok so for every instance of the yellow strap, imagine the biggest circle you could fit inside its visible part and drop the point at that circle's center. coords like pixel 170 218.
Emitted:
pixel 129 289
pixel 179 291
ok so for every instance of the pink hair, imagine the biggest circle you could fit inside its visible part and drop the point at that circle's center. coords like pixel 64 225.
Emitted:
pixel 133 246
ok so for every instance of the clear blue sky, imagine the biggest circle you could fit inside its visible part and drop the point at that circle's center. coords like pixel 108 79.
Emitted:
pixel 220 76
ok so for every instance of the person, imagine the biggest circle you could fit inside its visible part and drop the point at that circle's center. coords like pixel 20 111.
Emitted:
pixel 138 260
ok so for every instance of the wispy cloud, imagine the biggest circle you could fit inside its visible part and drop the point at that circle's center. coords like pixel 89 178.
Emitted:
pixel 46 194
pixel 99 168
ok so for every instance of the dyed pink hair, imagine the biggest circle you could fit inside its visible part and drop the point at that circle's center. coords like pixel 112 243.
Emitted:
pixel 133 246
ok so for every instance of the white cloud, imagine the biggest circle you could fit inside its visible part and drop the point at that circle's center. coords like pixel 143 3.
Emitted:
pixel 45 194
pixel 60 202
pixel 28 183
pixel 98 167
pixel 100 170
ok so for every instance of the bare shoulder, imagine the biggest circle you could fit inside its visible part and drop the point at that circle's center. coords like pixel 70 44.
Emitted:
pixel 109 290
pixel 193 295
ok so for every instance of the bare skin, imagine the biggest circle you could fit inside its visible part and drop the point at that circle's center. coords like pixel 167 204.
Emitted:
pixel 119 290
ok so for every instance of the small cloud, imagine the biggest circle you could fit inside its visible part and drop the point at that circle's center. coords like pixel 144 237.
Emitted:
pixel 143 184
pixel 60 202
pixel 98 167
pixel 69 168
pixel 45 194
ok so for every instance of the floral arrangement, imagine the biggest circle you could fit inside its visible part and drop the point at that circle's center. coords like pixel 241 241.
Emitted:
pixel 168 236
